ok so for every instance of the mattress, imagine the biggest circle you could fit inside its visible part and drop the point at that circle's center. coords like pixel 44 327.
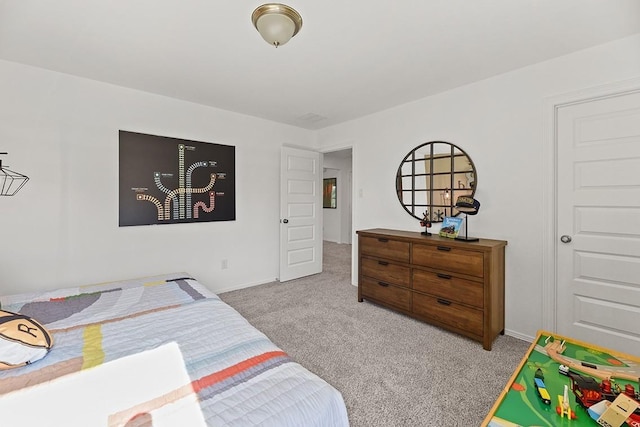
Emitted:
pixel 158 351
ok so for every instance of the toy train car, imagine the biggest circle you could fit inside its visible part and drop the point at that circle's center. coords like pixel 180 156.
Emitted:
pixel 541 388
pixel 542 391
pixel 563 369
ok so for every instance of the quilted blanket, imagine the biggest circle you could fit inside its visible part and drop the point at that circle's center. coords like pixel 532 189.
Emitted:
pixel 107 336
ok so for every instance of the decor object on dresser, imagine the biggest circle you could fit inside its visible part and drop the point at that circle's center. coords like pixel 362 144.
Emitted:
pixel 432 177
pixel 426 223
pixel 450 227
pixel 468 206
pixel 153 347
pixel 456 285
pixel 10 181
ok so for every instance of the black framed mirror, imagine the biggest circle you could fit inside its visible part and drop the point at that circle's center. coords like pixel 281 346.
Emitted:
pixel 432 177
pixel 329 190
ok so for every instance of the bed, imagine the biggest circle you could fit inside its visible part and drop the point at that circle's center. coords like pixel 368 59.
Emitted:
pixel 157 351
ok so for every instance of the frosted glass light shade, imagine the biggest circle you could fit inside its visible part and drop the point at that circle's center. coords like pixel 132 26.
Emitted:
pixel 275 29
pixel 276 23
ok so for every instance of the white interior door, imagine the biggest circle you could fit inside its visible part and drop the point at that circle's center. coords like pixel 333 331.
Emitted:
pixel 598 221
pixel 300 213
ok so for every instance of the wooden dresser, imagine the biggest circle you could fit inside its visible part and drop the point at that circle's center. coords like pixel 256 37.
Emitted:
pixel 449 283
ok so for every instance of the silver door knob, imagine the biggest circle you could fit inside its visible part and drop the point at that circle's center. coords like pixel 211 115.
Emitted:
pixel 286 221
pixel 565 238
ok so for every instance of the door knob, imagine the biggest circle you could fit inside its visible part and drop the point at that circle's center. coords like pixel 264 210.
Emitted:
pixel 565 238
pixel 286 221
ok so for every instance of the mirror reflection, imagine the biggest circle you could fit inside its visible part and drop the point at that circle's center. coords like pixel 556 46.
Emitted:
pixel 432 177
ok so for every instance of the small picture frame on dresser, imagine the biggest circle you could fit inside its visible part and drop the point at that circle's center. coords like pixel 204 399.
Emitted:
pixel 450 227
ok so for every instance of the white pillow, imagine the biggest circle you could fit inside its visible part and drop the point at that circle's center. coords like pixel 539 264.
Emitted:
pixel 22 340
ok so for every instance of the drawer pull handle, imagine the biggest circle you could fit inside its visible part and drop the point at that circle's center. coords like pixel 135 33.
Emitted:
pixel 383 263
pixel 382 239
pixel 444 248
pixel 443 301
pixel 383 284
pixel 444 276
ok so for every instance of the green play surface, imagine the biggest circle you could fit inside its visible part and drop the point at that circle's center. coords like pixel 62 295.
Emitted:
pixel 521 405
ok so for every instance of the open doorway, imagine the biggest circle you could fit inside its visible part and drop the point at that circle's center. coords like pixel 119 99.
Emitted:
pixel 337 170
pixel 337 217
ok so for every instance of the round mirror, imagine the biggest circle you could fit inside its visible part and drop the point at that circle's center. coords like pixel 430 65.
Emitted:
pixel 432 177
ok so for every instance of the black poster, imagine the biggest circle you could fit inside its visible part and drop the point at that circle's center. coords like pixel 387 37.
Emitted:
pixel 169 180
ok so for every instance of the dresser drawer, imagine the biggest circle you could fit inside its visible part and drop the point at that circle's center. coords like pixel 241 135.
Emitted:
pixel 386 272
pixel 449 313
pixel 449 287
pixel 385 293
pixel 443 257
pixel 384 248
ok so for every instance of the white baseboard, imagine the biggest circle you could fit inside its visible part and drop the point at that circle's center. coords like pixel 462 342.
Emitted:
pixel 519 335
pixel 242 286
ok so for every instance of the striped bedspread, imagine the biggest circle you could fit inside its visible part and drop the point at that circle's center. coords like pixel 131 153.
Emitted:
pixel 235 375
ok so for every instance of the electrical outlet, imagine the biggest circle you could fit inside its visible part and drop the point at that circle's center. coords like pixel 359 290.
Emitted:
pixel 224 264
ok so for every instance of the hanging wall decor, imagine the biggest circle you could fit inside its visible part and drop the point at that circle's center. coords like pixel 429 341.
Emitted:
pixel 10 181
pixel 432 177
pixel 171 181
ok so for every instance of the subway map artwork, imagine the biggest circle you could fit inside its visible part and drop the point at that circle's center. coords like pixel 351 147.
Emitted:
pixel 169 180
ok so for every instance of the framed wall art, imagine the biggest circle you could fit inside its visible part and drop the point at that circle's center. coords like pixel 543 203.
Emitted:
pixel 165 180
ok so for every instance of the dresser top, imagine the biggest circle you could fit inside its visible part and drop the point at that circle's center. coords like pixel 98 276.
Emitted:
pixel 417 237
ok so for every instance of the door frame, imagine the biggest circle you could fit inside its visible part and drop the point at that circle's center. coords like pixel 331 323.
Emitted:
pixel 550 175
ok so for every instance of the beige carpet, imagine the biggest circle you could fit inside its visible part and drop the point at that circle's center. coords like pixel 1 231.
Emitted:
pixel 392 370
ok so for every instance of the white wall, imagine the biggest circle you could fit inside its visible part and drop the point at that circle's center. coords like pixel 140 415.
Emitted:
pixel 500 123
pixel 62 229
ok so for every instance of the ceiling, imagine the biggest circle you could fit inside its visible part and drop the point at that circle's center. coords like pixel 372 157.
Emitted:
pixel 351 57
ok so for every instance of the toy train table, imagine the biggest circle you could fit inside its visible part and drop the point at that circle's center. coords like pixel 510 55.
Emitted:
pixel 565 382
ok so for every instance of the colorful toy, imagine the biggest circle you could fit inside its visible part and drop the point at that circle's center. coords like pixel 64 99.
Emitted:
pixel 617 413
pixel 563 407
pixel 555 348
pixel 521 405
pixel 541 389
pixel 589 392
pixel 596 411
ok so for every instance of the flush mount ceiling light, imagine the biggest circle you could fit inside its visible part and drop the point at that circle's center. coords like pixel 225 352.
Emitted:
pixel 10 182
pixel 277 23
